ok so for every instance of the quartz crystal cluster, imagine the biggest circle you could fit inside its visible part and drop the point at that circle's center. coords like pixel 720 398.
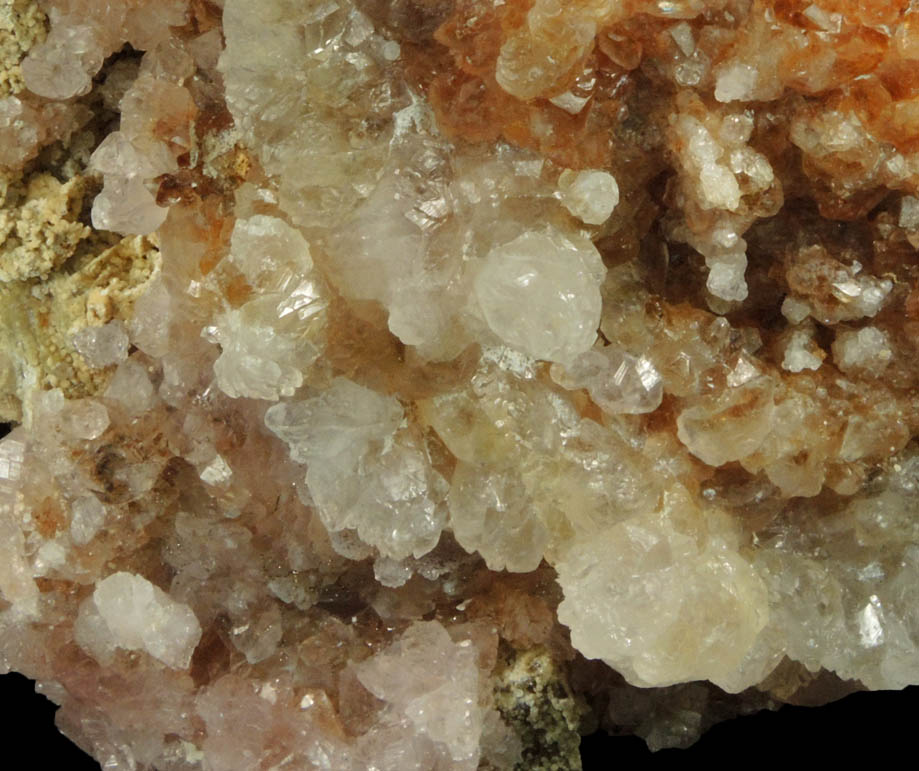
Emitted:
pixel 422 384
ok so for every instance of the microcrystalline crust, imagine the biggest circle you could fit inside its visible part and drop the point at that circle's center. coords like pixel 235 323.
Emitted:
pixel 420 384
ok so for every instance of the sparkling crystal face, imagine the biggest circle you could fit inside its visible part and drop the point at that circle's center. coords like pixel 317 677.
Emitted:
pixel 410 384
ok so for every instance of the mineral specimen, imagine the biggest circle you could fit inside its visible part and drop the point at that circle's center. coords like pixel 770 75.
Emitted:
pixel 420 384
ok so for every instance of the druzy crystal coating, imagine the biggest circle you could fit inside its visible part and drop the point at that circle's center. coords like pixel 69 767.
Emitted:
pixel 419 384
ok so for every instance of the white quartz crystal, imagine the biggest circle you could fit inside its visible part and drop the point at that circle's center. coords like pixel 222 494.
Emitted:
pixel 795 310
pixel 617 381
pixel 87 515
pixel 11 456
pixel 85 419
pixel 865 349
pixel 118 156
pixel 103 346
pixel 255 360
pixel 266 344
pixel 735 81
pixel 633 599
pixel 131 386
pixel 708 433
pixel 495 515
pixel 432 682
pixel 361 475
pixel 909 212
pixel 63 65
pixel 683 37
pixel 726 276
pixel 570 103
pixel 268 251
pixel 801 352
pixel 125 205
pixel 344 421
pixel 16 577
pixel 706 156
pixel 69 420
pixel 127 611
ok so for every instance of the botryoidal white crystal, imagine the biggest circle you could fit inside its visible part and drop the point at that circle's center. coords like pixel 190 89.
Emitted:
pixel 540 293
pixel 589 195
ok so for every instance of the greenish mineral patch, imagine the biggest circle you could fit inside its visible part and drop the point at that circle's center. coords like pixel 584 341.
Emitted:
pixel 533 696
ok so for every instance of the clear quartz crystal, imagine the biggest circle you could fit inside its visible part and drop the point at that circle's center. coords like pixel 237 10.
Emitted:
pixel 798 357
pixel 735 82
pixel 361 475
pixel 87 517
pixel 431 681
pixel 704 430
pixel 617 381
pixel 126 205
pixel 131 387
pixel 103 346
pixel 62 67
pixel 644 587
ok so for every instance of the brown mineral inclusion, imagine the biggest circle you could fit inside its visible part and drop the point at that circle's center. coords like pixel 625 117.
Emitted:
pixel 423 384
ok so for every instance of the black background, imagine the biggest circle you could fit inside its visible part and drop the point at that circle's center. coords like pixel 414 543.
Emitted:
pixel 883 724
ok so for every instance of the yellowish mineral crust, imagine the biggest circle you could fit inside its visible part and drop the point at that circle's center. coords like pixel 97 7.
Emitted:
pixel 416 384
pixel 22 25
pixel 58 277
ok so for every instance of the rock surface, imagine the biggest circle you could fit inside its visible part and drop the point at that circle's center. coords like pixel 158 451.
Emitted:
pixel 414 384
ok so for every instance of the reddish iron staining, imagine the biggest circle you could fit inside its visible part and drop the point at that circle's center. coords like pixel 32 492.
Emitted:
pixel 173 189
pixel 237 291
pixel 214 118
pixel 470 105
pixel 459 76
pixel 912 304
pixel 48 517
